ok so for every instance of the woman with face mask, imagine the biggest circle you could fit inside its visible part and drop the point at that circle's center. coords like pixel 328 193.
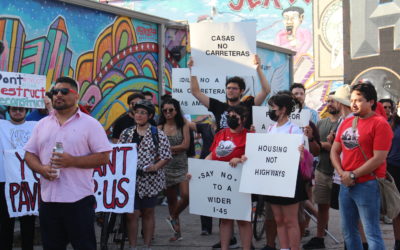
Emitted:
pixel 229 145
pixel 393 167
pixel 285 210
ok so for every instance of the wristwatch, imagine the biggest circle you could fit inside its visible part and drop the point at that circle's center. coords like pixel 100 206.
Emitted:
pixel 352 176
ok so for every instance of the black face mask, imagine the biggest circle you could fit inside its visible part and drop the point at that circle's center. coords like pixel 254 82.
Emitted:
pixel 272 115
pixel 233 122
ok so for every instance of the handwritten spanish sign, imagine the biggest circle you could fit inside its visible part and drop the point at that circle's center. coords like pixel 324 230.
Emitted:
pixel 223 47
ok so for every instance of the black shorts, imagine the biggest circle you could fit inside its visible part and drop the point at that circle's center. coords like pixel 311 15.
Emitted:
pixel 145 202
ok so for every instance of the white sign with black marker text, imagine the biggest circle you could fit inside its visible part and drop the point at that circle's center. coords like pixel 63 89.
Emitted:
pixel 212 86
pixel 272 164
pixel 261 120
pixel 223 47
pixel 214 190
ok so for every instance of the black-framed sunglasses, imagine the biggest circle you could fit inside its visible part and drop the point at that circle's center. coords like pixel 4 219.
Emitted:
pixel 170 110
pixel 64 91
pixel 17 109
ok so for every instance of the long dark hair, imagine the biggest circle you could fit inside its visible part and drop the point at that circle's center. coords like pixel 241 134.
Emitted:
pixel 179 119
pixel 284 99
pixel 396 120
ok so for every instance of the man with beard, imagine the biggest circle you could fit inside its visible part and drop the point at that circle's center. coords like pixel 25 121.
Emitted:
pixel 126 120
pixel 359 156
pixel 66 211
pixel 13 135
pixel 235 87
pixel 324 172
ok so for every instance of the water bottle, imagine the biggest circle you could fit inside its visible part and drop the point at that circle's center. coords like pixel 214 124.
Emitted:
pixel 58 149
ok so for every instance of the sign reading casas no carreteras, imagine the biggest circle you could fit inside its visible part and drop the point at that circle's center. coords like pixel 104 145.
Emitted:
pixel 22 90
pixel 272 164
pixel 223 47
pixel 214 190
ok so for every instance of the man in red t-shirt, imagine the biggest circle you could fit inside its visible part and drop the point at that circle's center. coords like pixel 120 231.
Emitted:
pixel 358 155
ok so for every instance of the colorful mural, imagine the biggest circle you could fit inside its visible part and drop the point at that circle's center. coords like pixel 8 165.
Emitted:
pixel 109 56
pixel 285 23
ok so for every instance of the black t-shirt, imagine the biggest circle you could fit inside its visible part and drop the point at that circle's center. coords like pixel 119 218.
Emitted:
pixel 207 136
pixel 219 109
pixel 121 124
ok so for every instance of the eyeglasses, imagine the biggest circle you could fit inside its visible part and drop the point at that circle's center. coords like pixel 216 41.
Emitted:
pixel 170 110
pixel 17 109
pixel 137 112
pixel 64 91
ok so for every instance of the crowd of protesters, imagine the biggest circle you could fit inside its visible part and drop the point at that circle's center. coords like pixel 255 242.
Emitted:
pixel 347 151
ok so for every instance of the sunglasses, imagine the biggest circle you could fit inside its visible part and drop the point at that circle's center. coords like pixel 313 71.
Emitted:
pixel 64 91
pixel 17 109
pixel 170 110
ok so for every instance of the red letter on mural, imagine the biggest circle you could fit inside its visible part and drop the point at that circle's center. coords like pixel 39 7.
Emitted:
pixel 253 4
pixel 236 7
pixel 277 4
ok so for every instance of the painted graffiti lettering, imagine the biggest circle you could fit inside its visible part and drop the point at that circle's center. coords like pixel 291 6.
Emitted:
pixel 255 3
pixel 146 31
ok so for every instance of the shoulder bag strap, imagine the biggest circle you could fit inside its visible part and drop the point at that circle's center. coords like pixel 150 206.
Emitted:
pixel 354 128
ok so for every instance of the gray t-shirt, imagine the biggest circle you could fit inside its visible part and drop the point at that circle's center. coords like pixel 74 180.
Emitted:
pixel 325 126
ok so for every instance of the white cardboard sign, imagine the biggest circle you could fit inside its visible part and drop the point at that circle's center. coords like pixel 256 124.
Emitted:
pixel 214 190
pixel 223 47
pixel 22 90
pixel 272 164
pixel 261 120
pixel 114 183
pixel 213 87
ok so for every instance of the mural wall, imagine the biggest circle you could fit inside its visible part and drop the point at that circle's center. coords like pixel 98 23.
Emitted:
pixel 318 63
pixel 110 56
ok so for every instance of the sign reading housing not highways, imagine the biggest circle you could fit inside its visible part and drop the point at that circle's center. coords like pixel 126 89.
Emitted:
pixel 272 164
pixel 22 90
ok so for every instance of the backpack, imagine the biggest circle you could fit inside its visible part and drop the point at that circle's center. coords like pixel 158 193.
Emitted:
pixel 154 135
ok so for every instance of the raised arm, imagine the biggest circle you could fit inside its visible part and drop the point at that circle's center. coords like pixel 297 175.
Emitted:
pixel 265 88
pixel 195 89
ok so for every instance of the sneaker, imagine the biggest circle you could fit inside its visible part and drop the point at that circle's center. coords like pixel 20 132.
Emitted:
pixel 205 232
pixel 177 237
pixel 315 243
pixel 268 248
pixel 232 244
pixel 387 220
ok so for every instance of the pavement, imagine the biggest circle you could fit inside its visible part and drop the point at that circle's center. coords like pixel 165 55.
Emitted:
pixel 192 240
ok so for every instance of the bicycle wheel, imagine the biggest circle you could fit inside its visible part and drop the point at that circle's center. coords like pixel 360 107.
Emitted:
pixel 259 219
pixel 107 230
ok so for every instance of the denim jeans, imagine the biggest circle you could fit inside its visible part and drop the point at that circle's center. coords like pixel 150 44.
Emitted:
pixel 361 201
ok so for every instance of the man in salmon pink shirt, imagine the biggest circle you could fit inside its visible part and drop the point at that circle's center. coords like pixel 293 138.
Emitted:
pixel 364 141
pixel 66 210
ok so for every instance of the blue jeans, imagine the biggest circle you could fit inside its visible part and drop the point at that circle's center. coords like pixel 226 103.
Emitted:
pixel 361 201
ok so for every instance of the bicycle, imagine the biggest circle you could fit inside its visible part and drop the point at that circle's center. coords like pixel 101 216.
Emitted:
pixel 113 230
pixel 258 217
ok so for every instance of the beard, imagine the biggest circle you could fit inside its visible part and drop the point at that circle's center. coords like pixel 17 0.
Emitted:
pixel 62 106
pixel 17 119
pixel 233 99
pixel 333 112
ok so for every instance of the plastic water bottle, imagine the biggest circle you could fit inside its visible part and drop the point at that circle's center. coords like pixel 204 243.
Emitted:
pixel 58 149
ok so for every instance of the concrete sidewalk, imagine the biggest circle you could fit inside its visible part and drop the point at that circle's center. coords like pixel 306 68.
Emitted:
pixel 192 239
